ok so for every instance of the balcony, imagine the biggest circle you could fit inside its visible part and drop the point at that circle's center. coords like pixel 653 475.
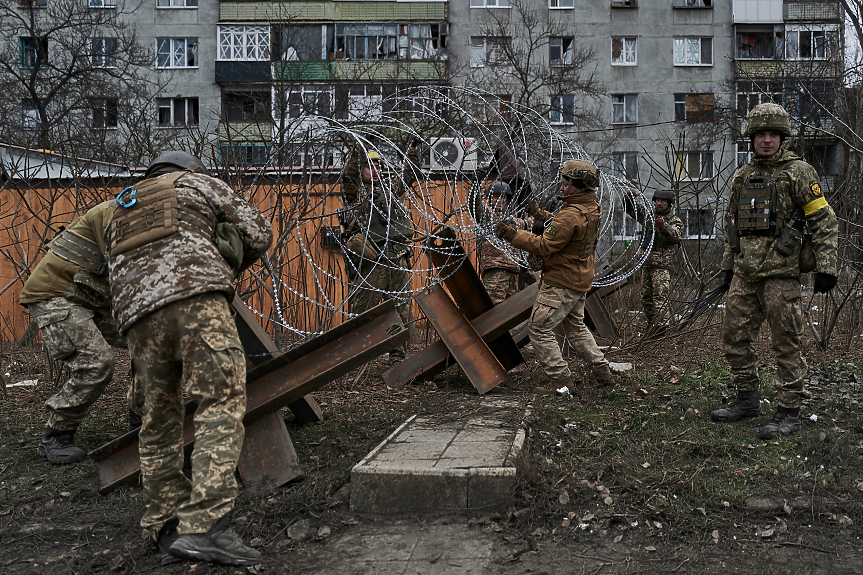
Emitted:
pixel 293 12
pixel 242 72
pixel 757 12
pixel 245 131
pixel 359 70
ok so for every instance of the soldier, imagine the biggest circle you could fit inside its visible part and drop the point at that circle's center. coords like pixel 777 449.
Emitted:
pixel 773 198
pixel 378 234
pixel 67 295
pixel 498 271
pixel 568 247
pixel 176 242
pixel 656 271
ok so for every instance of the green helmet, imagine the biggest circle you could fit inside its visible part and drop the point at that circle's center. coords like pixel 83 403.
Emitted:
pixel 664 195
pixel 767 117
pixel 581 170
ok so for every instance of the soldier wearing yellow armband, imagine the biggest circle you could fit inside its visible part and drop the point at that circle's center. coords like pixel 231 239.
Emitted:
pixel 774 200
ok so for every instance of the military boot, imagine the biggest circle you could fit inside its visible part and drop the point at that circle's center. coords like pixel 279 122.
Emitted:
pixel 555 385
pixel 167 535
pixel 59 448
pixel 602 376
pixel 746 404
pixel 784 422
pixel 220 545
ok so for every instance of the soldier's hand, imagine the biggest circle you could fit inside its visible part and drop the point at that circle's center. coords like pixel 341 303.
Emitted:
pixel 824 282
pixel 505 230
pixel 659 223
pixel 537 212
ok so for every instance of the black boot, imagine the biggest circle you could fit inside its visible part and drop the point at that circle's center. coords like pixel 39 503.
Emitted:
pixel 219 545
pixel 784 422
pixel 167 535
pixel 746 404
pixel 59 448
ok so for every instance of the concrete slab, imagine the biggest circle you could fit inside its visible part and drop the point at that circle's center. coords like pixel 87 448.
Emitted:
pixel 444 463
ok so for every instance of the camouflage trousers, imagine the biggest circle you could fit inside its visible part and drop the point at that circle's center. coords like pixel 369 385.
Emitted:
pixel 747 305
pixel 189 346
pixel 501 284
pixel 655 285
pixel 72 334
pixel 372 280
pixel 565 307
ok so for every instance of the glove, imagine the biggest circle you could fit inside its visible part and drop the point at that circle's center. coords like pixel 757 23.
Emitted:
pixel 537 212
pixel 538 228
pixel 728 275
pixel 230 245
pixel 824 282
pixel 505 230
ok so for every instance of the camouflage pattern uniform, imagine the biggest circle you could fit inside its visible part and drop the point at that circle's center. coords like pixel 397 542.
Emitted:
pixel 171 299
pixel 71 306
pixel 497 268
pixel 567 277
pixel 766 281
pixel 656 271
pixel 378 249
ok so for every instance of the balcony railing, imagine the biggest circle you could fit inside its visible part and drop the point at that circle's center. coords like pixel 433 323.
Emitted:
pixel 360 70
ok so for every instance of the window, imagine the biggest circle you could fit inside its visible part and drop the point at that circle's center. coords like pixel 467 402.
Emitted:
pixel 693 165
pixel 744 153
pixel 418 102
pixel 245 155
pixel 177 111
pixel 624 3
pixel 750 94
pixel 755 43
pixel 805 44
pixel 624 227
pixel 104 51
pixel 623 52
pixel 697 223
pixel 625 165
pixel 248 107
pixel 692 4
pixel 560 51
pixel 244 43
pixel 30 118
pixel 693 51
pixel 488 50
pixel 364 103
pixel 560 3
pixel 33 50
pixel 693 107
pixel 562 109
pixel 104 112
pixel 177 4
pixel 103 3
pixel 491 110
pixel 366 41
pixel 424 41
pixel 809 100
pixel 176 52
pixel 624 109
pixel 489 3
pixel 310 100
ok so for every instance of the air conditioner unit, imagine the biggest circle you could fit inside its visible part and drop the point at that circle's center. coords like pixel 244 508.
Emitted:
pixel 453 154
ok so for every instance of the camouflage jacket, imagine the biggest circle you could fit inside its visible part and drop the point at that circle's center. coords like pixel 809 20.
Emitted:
pixel 799 196
pixel 186 263
pixel 567 230
pixel 665 240
pixel 57 276
pixel 492 256
pixel 376 210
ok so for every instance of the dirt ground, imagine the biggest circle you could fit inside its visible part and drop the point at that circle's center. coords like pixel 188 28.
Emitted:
pixel 630 480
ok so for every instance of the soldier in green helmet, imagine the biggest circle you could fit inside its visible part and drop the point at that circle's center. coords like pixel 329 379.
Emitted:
pixel 774 199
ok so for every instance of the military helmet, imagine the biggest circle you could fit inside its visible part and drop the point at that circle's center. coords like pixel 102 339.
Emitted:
pixel 176 158
pixel 664 195
pixel 767 117
pixel 581 170
pixel 499 187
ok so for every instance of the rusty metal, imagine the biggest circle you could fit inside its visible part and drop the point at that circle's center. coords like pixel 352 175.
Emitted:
pixel 473 355
pixel 497 321
pixel 596 317
pixel 273 384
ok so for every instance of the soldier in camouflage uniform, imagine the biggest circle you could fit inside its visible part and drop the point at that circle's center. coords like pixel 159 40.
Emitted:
pixel 172 269
pixel 378 234
pixel 67 295
pixel 773 199
pixel 656 271
pixel 498 270
pixel 568 248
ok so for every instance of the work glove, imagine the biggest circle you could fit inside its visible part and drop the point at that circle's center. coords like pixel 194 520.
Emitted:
pixel 505 231
pixel 230 245
pixel 824 282
pixel 538 228
pixel 537 212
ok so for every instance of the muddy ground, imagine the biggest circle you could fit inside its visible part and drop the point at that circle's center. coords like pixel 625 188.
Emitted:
pixel 630 480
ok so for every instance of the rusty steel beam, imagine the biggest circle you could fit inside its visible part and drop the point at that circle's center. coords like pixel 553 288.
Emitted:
pixel 497 321
pixel 473 355
pixel 272 385
pixel 268 458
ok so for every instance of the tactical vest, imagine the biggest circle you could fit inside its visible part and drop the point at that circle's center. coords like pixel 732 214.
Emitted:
pixel 80 251
pixel 586 246
pixel 151 213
